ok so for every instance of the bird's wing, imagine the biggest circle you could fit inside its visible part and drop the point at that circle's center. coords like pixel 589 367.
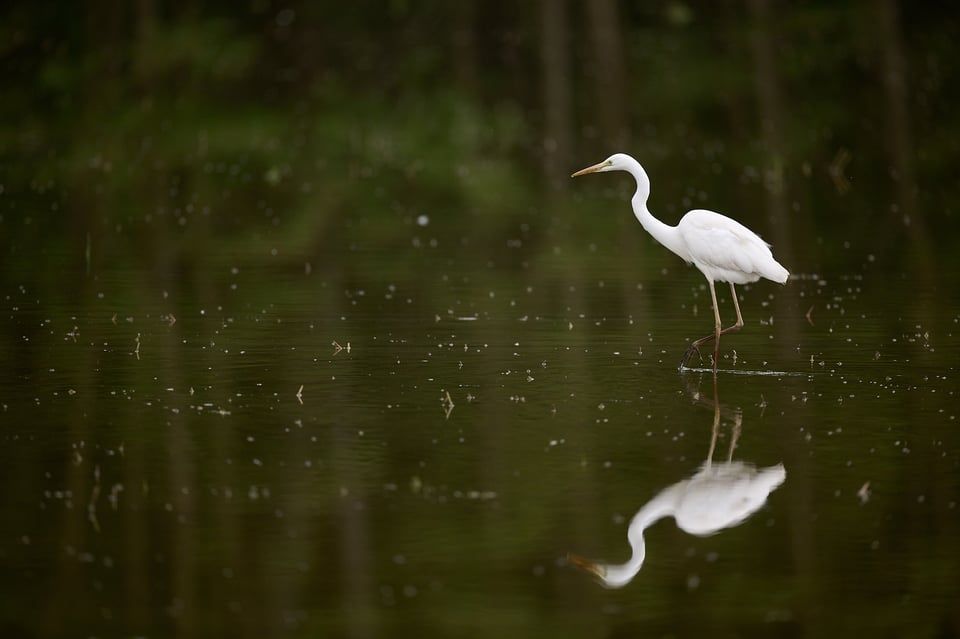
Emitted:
pixel 720 243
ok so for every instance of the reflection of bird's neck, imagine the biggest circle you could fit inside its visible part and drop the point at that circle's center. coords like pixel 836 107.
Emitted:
pixel 663 233
pixel 657 508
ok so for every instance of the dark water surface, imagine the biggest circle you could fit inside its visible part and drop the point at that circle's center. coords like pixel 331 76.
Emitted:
pixel 381 458
pixel 306 331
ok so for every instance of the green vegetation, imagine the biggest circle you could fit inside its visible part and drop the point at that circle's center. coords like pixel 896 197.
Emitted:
pixel 163 131
pixel 197 199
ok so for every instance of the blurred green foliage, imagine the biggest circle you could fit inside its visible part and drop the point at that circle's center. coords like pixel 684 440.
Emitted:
pixel 163 160
pixel 168 127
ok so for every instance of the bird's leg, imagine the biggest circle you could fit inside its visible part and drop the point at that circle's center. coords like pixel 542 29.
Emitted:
pixel 716 422
pixel 717 328
pixel 729 329
pixel 737 425
pixel 695 346
pixel 736 305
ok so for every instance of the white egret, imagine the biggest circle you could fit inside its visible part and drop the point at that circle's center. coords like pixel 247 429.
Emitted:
pixel 723 249
pixel 718 496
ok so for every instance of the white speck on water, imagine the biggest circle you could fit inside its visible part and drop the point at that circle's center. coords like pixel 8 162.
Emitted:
pixel 423 220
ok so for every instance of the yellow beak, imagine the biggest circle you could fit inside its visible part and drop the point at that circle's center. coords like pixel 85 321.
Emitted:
pixel 579 561
pixel 591 169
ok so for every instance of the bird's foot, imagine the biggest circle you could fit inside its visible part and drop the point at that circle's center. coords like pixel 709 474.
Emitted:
pixel 693 348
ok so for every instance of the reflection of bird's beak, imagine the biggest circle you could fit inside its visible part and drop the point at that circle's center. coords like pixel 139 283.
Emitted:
pixel 585 564
pixel 591 169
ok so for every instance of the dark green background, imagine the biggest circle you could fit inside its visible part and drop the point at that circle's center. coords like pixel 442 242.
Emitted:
pixel 197 200
pixel 158 129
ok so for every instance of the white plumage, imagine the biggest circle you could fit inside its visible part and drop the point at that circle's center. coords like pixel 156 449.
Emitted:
pixel 719 496
pixel 726 251
pixel 721 248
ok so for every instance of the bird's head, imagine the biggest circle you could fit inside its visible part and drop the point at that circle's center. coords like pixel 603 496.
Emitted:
pixel 597 570
pixel 607 575
pixel 616 162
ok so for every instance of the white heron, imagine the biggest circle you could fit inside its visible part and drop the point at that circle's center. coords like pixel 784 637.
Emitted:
pixel 723 249
pixel 718 496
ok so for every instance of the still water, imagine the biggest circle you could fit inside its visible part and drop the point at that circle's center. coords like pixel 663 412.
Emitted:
pixel 352 456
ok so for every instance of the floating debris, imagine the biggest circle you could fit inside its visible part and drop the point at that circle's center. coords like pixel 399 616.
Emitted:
pixel 840 181
pixel 864 493
pixel 446 402
pixel 94 496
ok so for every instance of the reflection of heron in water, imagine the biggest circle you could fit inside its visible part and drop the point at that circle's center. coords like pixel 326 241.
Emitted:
pixel 720 495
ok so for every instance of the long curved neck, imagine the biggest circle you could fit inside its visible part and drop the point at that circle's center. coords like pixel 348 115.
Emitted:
pixel 662 505
pixel 664 233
